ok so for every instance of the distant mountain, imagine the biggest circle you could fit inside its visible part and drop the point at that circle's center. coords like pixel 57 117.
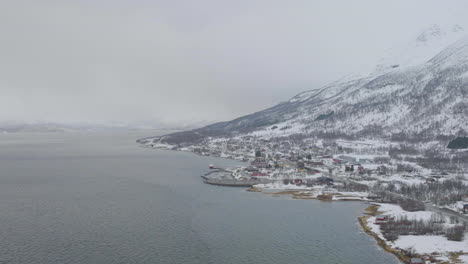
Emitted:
pixel 47 127
pixel 37 127
pixel 421 93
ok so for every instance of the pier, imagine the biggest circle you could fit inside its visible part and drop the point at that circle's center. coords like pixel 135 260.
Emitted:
pixel 234 182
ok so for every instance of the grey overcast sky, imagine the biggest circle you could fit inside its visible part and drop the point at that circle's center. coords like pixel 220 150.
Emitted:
pixel 184 61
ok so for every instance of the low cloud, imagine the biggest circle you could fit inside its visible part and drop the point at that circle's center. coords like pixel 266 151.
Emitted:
pixel 188 61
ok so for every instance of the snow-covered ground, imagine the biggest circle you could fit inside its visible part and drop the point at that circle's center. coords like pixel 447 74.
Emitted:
pixel 395 211
pixel 312 192
pixel 424 244
pixel 405 180
pixel 429 42
pixel 464 259
pixel 457 207
pixel 430 244
pixel 281 130
pixel 363 144
pixel 282 187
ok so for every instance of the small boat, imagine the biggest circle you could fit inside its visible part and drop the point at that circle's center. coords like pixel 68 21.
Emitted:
pixel 211 166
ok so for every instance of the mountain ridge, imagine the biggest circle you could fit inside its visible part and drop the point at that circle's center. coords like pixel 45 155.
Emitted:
pixel 425 100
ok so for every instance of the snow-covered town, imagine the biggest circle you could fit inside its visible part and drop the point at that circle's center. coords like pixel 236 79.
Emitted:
pixel 418 200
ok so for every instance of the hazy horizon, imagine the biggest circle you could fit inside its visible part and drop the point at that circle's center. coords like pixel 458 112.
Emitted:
pixel 190 62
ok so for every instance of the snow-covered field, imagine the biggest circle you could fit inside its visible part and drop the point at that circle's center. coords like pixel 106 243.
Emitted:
pixel 464 259
pixel 437 245
pixel 394 210
pixel 430 244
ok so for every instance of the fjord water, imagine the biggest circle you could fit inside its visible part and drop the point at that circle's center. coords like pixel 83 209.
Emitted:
pixel 99 198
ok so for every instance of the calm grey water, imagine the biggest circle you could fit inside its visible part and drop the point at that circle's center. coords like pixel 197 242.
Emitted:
pixel 99 198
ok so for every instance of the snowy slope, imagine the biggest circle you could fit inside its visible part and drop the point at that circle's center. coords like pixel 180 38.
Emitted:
pixel 421 49
pixel 425 96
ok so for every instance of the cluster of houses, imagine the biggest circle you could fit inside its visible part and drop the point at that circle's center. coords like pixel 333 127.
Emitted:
pixel 243 148
pixel 290 169
pixel 303 162
pixel 289 159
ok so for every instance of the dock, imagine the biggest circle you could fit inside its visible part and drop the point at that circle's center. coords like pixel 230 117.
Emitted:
pixel 234 182
pixel 222 177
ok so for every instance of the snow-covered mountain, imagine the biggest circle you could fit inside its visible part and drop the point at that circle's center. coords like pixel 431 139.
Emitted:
pixel 422 92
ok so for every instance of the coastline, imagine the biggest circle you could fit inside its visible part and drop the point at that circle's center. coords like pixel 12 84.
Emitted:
pixel 373 210
pixel 299 194
pixel 141 145
pixel 404 256
pixel 442 257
